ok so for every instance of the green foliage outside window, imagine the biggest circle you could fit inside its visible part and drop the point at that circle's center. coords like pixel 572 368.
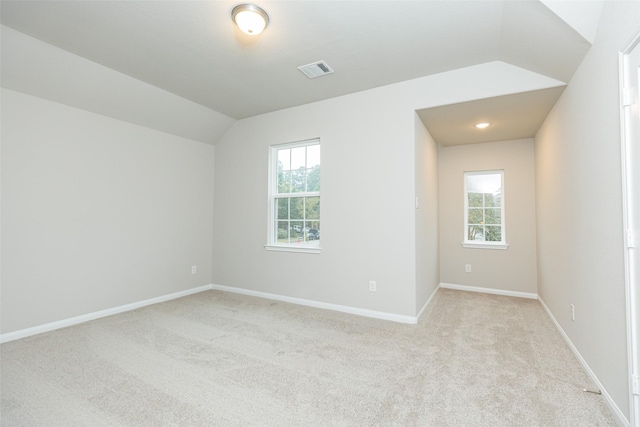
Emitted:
pixel 484 217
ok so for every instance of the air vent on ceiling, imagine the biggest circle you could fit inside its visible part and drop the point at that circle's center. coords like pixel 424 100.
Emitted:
pixel 316 69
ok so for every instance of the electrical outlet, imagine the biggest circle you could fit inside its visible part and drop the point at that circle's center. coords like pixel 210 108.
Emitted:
pixel 573 312
pixel 467 268
pixel 372 285
pixel 194 269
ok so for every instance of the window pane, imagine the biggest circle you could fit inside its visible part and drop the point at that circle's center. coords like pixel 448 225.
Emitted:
pixel 484 183
pixel 312 208
pixel 493 233
pixel 313 230
pixel 296 208
pixel 283 232
pixel 475 216
pixel 475 200
pixel 475 232
pixel 298 178
pixel 474 183
pixel 298 158
pixel 282 208
pixel 296 232
pixel 284 181
pixel 492 216
pixel 284 159
pixel 313 156
pixel 313 178
pixel 491 200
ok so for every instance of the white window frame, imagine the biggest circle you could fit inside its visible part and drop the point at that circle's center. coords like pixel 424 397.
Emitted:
pixel 474 244
pixel 272 244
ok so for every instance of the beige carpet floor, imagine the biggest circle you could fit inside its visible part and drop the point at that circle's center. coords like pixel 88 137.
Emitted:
pixel 220 359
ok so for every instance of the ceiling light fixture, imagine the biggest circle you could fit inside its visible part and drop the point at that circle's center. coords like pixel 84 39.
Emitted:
pixel 250 18
pixel 483 125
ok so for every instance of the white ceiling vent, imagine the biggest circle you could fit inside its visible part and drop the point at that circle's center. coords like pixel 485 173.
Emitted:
pixel 316 69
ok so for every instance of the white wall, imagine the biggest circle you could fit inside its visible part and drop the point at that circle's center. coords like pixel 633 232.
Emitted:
pixel 427 245
pixel 578 184
pixel 513 269
pixel 368 192
pixel 367 217
pixel 99 212
pixel 96 212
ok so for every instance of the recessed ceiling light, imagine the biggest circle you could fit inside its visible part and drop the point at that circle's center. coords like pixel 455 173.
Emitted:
pixel 483 125
pixel 250 18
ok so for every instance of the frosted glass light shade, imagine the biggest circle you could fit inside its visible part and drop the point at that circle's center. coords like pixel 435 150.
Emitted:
pixel 250 18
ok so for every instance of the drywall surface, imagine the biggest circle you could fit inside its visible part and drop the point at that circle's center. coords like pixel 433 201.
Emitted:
pixel 581 16
pixel 579 206
pixel 427 247
pixel 368 213
pixel 40 69
pixel 96 212
pixel 512 269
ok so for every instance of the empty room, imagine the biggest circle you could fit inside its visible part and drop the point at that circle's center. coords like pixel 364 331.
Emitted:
pixel 324 213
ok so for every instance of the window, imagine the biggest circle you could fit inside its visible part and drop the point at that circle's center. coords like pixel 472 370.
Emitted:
pixel 484 210
pixel 294 197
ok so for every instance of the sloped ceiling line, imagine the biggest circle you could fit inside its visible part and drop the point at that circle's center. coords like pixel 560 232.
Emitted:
pixel 233 77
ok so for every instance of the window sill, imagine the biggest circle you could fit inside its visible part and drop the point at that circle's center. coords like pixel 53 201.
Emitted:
pixel 297 248
pixel 484 245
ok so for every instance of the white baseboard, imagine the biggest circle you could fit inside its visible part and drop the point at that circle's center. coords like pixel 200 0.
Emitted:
pixel 318 304
pixel 23 333
pixel 489 291
pixel 426 304
pixel 615 409
pixel 592 375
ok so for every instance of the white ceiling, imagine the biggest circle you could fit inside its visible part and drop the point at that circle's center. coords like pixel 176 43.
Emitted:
pixel 514 116
pixel 192 49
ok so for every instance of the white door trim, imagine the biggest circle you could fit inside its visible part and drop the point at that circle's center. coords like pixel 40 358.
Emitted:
pixel 632 273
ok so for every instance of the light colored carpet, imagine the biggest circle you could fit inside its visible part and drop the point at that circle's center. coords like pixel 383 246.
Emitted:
pixel 220 359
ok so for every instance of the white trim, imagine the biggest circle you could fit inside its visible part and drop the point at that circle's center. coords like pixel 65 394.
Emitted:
pixel 426 304
pixel 630 243
pixel 47 327
pixel 612 405
pixel 293 248
pixel 318 304
pixel 484 245
pixel 504 292
pixel 295 144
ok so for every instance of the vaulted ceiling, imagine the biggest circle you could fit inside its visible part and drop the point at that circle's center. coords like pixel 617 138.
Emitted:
pixel 193 50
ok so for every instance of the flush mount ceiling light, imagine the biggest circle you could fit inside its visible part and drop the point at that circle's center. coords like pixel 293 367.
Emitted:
pixel 482 125
pixel 250 18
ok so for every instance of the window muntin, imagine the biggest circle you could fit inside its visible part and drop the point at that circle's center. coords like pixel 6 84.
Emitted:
pixel 294 221
pixel 484 208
